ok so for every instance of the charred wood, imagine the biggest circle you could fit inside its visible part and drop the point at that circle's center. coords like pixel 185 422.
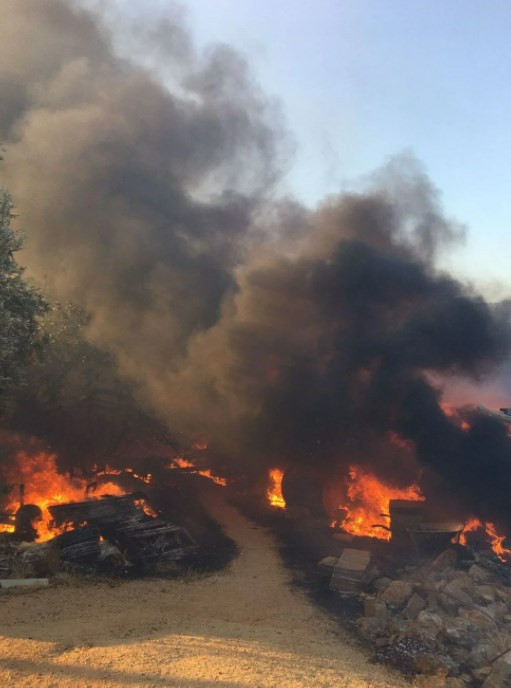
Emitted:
pixel 134 536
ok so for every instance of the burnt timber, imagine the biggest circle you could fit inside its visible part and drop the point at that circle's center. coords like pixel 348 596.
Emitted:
pixel 117 531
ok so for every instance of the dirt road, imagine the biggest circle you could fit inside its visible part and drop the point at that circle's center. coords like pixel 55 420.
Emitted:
pixel 244 627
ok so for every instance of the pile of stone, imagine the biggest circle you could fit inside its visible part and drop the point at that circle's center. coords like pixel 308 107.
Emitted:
pixel 449 619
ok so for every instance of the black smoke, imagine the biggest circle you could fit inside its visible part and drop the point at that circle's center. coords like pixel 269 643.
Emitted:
pixel 285 335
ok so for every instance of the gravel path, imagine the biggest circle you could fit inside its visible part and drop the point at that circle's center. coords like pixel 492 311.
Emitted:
pixel 244 627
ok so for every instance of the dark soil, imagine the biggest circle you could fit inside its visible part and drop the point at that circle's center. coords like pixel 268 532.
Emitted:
pixel 179 499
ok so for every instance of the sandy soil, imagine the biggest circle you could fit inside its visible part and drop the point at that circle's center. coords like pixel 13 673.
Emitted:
pixel 244 627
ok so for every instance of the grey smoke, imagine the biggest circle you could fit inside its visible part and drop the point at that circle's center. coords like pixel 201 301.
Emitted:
pixel 284 335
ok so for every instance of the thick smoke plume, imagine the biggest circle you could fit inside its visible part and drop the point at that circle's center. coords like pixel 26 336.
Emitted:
pixel 283 335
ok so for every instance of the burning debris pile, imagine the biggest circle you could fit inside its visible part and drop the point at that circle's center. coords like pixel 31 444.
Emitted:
pixel 112 534
pixel 431 594
pixel 129 523
pixel 367 504
pixel 54 521
pixel 41 484
pixel 429 604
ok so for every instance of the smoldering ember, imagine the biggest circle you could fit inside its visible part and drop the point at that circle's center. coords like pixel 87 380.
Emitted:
pixel 245 440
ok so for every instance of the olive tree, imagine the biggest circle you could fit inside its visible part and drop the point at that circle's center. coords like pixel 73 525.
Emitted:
pixel 77 401
pixel 20 305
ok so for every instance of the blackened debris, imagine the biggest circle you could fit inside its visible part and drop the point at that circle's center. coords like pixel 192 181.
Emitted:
pixel 136 535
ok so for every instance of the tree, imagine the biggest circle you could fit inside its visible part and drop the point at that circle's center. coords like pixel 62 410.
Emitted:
pixel 77 402
pixel 20 305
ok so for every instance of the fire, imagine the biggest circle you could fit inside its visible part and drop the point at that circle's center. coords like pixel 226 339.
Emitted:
pixel 274 492
pixel 45 486
pixel 107 470
pixel 7 527
pixel 200 445
pixel 367 503
pixel 496 540
pixel 185 463
pixel 452 412
pixel 147 478
pixel 146 508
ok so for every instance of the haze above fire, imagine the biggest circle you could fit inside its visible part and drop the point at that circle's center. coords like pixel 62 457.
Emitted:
pixel 283 335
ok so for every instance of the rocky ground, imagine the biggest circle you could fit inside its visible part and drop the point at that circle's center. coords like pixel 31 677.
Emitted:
pixel 450 617
pixel 445 622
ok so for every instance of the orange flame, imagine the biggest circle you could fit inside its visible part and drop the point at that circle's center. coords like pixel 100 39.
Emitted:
pixel 496 540
pixel 7 527
pixel 147 478
pixel 107 470
pixel 146 507
pixel 45 486
pixel 367 504
pixel 200 445
pixel 274 492
pixel 185 463
pixel 452 412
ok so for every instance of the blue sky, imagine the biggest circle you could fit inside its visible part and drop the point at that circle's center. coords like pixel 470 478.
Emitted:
pixel 361 80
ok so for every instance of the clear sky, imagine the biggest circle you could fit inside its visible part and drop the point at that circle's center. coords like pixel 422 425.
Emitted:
pixel 361 80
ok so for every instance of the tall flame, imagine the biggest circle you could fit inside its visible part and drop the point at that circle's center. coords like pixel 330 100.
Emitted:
pixel 274 492
pixel 45 486
pixel 367 503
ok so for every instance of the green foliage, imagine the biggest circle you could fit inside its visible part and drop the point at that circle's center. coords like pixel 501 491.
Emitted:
pixel 69 368
pixel 20 306
pixel 56 384
pixel 75 399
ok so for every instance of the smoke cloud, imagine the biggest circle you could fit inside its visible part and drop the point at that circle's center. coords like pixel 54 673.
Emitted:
pixel 284 335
